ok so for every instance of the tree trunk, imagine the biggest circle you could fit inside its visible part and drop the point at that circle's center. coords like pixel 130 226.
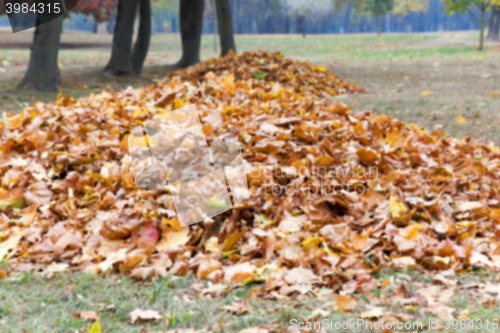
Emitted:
pixel 43 71
pixel 225 22
pixel 379 24
pixel 481 30
pixel 287 22
pixel 301 25
pixel 494 23
pixel 120 63
pixel 191 24
pixel 347 18
pixel 141 46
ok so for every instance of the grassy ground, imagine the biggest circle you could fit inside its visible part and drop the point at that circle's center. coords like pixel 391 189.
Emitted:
pixel 32 303
pixel 456 79
pixel 426 79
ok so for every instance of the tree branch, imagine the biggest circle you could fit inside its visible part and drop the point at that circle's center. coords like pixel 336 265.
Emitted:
pixel 473 16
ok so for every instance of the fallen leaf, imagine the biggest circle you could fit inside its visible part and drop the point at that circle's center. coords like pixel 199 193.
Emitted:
pixel 344 303
pixel 95 328
pixel 461 120
pixel 144 315
pixel 87 315
pixel 372 313
pixel 300 275
pixel 397 209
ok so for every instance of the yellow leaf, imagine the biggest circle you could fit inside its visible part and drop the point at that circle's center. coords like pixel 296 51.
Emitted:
pixel 16 121
pixel 318 69
pixel 426 93
pixel 262 222
pixel 178 103
pixel 461 120
pixel 412 232
pixel 231 240
pixel 212 245
pixel 314 241
pixel 495 94
pixel 397 209
pixel 95 328
pixel 173 223
pixel 344 303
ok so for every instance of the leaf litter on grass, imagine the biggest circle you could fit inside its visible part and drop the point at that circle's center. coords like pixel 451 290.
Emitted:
pixel 335 195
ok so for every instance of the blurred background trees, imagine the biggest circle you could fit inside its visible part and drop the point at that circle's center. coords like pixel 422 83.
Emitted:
pixel 478 10
pixel 288 16
pixel 378 9
pixel 192 18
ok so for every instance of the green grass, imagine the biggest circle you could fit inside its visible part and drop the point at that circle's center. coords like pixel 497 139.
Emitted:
pixel 30 302
pixel 36 304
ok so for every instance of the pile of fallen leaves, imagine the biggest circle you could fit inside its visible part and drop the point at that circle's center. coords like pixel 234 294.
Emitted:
pixel 297 76
pixel 358 191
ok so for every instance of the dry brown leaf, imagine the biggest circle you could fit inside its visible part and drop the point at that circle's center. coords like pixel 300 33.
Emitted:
pixel 144 315
pixel 344 303
pixel 87 315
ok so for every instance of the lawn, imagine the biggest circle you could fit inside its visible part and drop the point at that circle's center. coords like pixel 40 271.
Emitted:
pixel 426 79
pixel 34 303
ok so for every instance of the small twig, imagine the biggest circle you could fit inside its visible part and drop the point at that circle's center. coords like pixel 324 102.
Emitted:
pixel 19 103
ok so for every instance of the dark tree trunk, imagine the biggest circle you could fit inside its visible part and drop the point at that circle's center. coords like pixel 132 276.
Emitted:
pixel 191 24
pixel 494 23
pixel 225 27
pixel 301 25
pixel 43 71
pixel 482 25
pixel 287 22
pixel 141 46
pixel 347 18
pixel 120 63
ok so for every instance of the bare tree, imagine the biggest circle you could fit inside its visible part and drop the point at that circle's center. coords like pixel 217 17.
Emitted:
pixel 225 22
pixel 43 70
pixel 191 24
pixel 120 63
pixel 141 47
pixel 494 23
